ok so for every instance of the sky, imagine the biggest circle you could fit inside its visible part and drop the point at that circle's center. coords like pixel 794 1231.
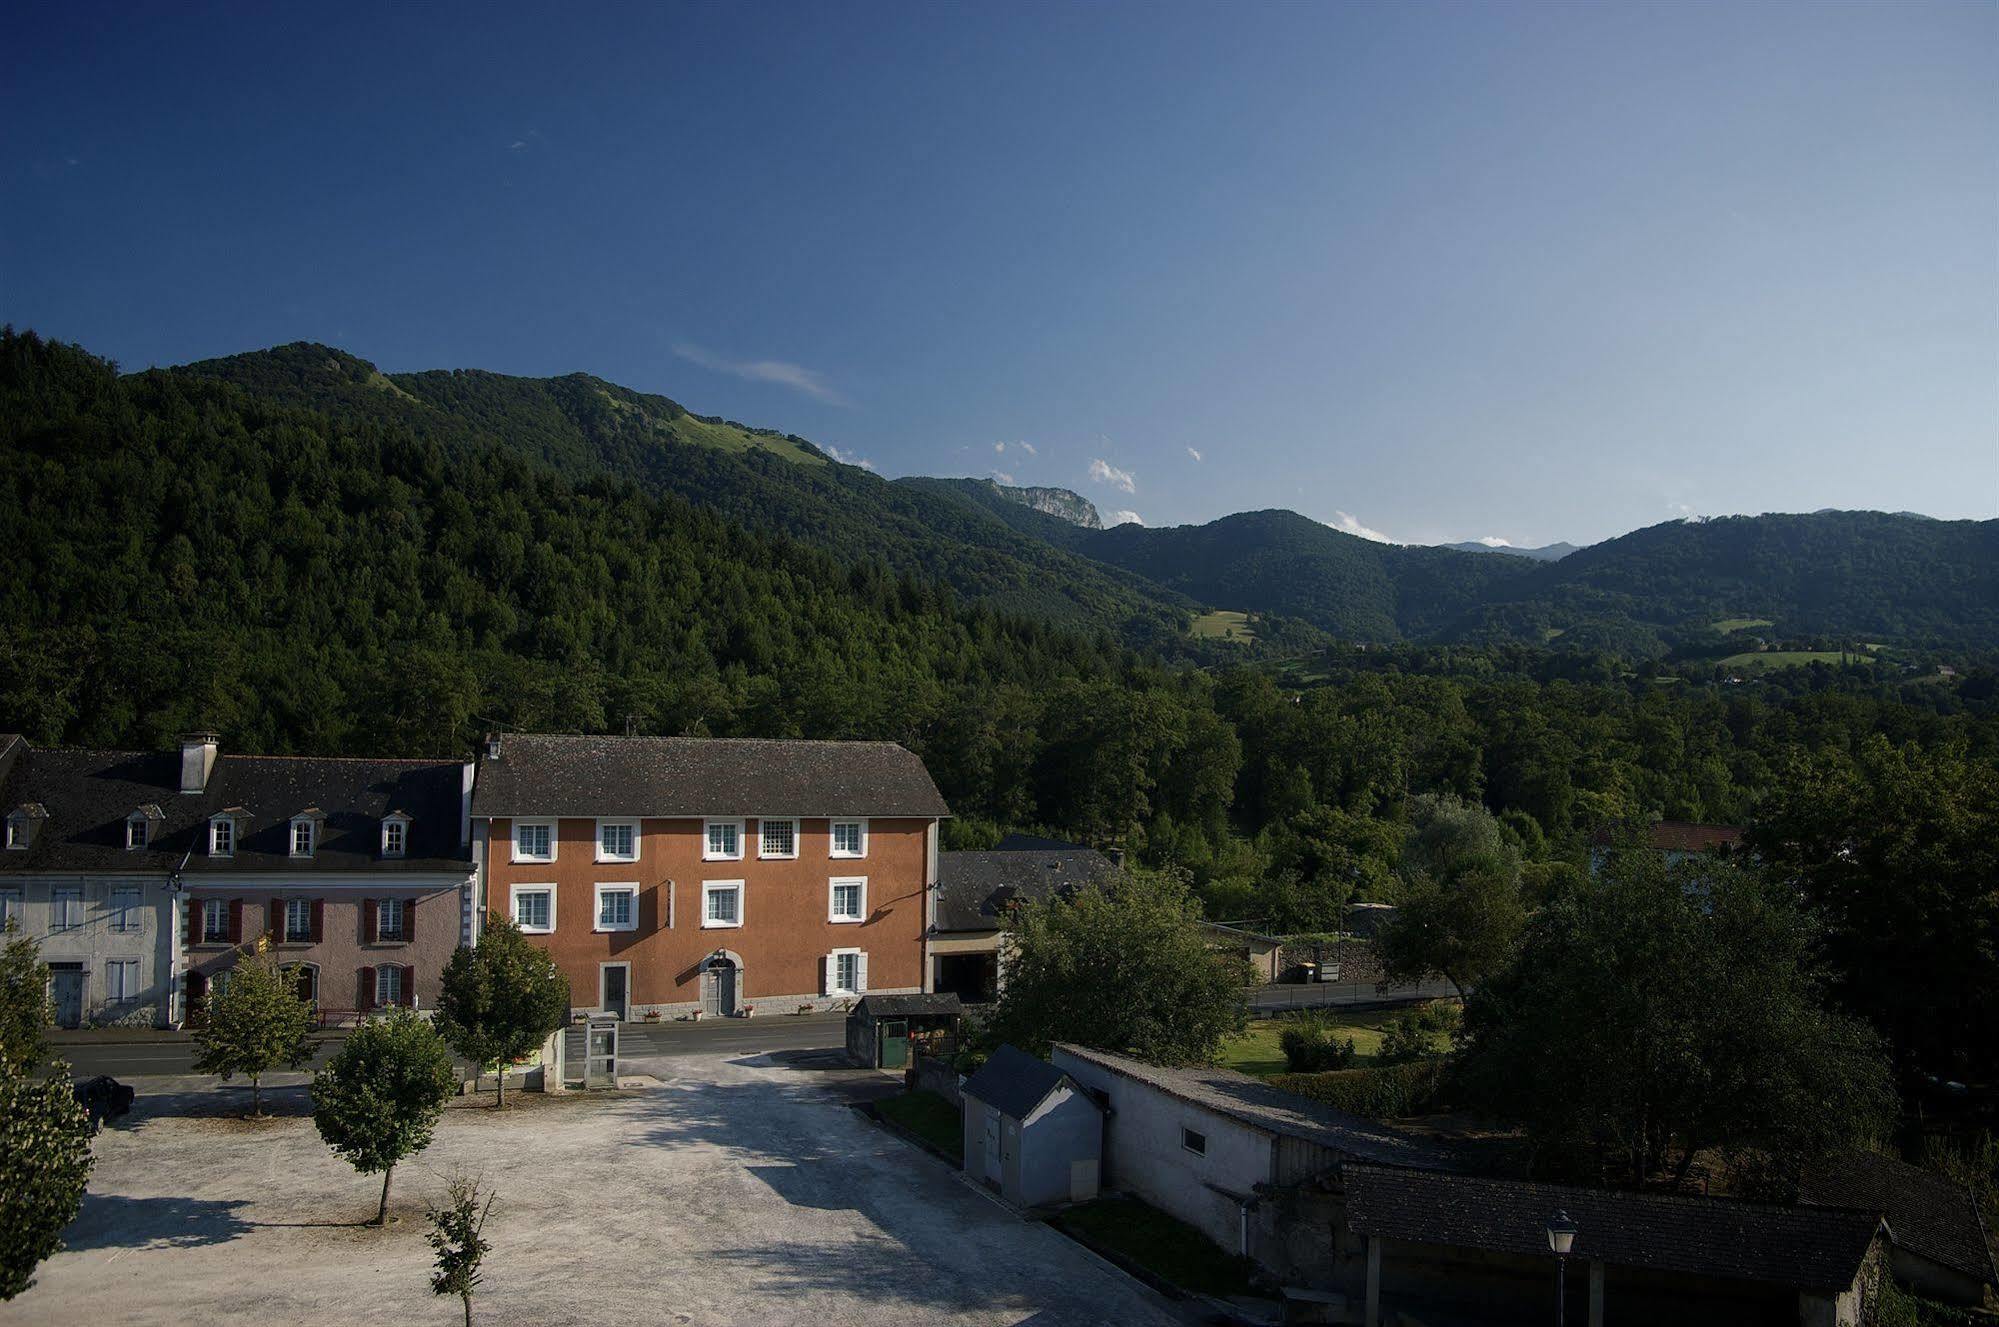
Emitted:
pixel 1425 272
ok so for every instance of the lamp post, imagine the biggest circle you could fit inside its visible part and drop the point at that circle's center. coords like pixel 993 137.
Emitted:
pixel 1561 1238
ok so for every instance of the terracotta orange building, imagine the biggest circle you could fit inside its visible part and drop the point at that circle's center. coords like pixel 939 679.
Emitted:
pixel 671 875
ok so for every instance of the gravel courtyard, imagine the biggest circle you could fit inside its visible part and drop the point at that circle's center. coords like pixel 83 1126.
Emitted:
pixel 742 1191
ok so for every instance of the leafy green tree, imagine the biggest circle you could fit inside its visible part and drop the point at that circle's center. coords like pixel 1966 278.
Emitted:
pixel 1123 967
pixel 25 1013
pixel 501 1000
pixel 1461 910
pixel 257 1022
pixel 1659 1011
pixel 457 1228
pixel 379 1099
pixel 45 1161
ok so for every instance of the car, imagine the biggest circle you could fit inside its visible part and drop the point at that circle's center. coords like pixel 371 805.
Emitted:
pixel 105 1098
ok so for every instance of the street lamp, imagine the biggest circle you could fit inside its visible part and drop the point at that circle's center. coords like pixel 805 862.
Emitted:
pixel 1561 1238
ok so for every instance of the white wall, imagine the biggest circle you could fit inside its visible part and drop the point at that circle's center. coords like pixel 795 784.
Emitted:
pixel 94 943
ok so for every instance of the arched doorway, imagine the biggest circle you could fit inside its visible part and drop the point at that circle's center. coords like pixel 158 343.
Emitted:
pixel 721 984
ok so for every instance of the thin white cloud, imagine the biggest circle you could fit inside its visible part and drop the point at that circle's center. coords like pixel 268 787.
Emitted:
pixel 1104 472
pixel 1351 525
pixel 1126 518
pixel 1194 453
pixel 999 448
pixel 846 458
pixel 1494 541
pixel 1029 448
pixel 785 374
pixel 1003 476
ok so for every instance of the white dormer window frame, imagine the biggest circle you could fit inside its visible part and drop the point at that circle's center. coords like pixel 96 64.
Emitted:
pixel 222 836
pixel 138 831
pixel 788 833
pixel 617 839
pixel 857 846
pixel 722 840
pixel 18 836
pixel 395 835
pixel 304 837
pixel 544 833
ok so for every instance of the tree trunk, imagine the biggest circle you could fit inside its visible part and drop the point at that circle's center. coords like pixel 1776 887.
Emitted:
pixel 256 1094
pixel 468 1310
pixel 500 1098
pixel 382 1212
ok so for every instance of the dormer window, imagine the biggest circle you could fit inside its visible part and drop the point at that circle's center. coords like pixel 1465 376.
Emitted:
pixel 395 834
pixel 139 826
pixel 222 832
pixel 22 822
pixel 305 831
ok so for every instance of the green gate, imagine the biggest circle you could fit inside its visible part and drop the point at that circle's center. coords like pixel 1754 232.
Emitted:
pixel 894 1033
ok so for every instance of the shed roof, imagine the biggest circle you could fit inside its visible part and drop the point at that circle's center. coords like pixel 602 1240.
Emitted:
pixel 975 890
pixel 1929 1215
pixel 543 774
pixel 1255 1103
pixel 1014 1082
pixel 905 1006
pixel 1807 1248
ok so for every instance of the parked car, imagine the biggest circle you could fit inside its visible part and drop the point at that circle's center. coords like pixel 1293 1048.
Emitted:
pixel 105 1098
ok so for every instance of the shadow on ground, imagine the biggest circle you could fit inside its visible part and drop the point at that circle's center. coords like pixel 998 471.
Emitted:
pixel 111 1221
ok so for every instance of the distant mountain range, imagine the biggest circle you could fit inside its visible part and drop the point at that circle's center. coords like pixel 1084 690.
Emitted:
pixel 1545 553
pixel 1043 552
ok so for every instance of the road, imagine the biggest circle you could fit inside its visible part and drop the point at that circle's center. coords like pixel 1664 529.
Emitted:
pixel 1323 995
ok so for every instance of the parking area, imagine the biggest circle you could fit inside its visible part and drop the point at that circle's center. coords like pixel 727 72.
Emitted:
pixel 742 1190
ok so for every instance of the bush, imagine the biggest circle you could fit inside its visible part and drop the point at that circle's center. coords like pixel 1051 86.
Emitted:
pixel 1422 1033
pixel 44 1162
pixel 1311 1047
pixel 1374 1093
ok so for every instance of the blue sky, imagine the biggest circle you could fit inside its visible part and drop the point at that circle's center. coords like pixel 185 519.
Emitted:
pixel 1439 271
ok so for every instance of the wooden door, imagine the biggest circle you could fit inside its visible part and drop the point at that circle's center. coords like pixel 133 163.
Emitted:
pixel 67 991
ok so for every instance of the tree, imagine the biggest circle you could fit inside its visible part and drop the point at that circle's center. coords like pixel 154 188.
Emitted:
pixel 24 998
pixel 1461 909
pixel 1659 1011
pixel 1122 967
pixel 257 1022
pixel 44 1162
pixel 379 1099
pixel 501 1000
pixel 455 1232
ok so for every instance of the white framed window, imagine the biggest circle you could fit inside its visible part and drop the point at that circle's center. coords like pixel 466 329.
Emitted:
pixel 1194 1141
pixel 10 908
pixel 68 909
pixel 847 899
pixel 534 840
pixel 395 836
pixel 304 837
pixel 298 921
pixel 777 838
pixel 722 841
pixel 534 908
pixel 850 838
pixel 17 832
pixel 617 841
pixel 215 921
pixel 846 972
pixel 721 903
pixel 121 980
pixel 617 907
pixel 125 915
pixel 388 985
pixel 222 837
pixel 136 828
pixel 391 919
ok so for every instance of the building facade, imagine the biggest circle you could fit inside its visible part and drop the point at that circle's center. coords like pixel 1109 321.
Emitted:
pixel 673 876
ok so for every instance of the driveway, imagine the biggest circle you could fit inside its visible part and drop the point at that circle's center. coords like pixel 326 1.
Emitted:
pixel 743 1190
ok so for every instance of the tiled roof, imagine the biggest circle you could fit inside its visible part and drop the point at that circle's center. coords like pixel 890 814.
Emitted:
pixel 551 775
pixel 1036 843
pixel 1806 1248
pixel 1013 1082
pixel 1255 1103
pixel 1927 1214
pixel 908 1005
pixel 975 889
pixel 89 794
pixel 1680 836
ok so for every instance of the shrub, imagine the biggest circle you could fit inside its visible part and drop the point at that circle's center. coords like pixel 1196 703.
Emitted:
pixel 1421 1033
pixel 44 1162
pixel 1374 1093
pixel 1310 1046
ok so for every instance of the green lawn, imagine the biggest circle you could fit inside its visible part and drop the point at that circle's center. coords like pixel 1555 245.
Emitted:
pixel 1171 1250
pixel 1786 658
pixel 1257 1050
pixel 1223 625
pixel 929 1117
pixel 1733 624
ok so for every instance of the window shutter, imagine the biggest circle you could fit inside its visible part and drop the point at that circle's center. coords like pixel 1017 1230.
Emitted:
pixel 370 928
pixel 670 887
pixel 409 919
pixel 826 974
pixel 235 921
pixel 277 919
pixel 409 987
pixel 192 920
pixel 318 920
pixel 860 973
pixel 367 1000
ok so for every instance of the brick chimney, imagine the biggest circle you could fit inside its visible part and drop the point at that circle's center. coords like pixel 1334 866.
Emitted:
pixel 197 760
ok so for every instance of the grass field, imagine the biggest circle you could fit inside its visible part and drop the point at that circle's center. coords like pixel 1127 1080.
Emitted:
pixel 1257 1051
pixel 1168 1248
pixel 1223 625
pixel 1730 624
pixel 722 437
pixel 1772 659
pixel 929 1117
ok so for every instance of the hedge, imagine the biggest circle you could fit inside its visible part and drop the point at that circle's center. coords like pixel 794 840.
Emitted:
pixel 1375 1093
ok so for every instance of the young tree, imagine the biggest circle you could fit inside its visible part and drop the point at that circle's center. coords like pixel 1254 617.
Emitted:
pixel 1659 1011
pixel 501 999
pixel 25 1014
pixel 456 1233
pixel 257 1022
pixel 1123 968
pixel 378 1100
pixel 44 1161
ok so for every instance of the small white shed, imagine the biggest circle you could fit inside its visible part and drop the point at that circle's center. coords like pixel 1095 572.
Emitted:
pixel 1031 1131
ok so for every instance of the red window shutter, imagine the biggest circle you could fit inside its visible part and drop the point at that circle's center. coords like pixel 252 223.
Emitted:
pixel 235 921
pixel 409 919
pixel 318 920
pixel 370 929
pixel 409 986
pixel 366 1001
pixel 277 919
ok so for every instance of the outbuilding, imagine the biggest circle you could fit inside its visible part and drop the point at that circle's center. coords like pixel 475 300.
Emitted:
pixel 882 1030
pixel 1031 1131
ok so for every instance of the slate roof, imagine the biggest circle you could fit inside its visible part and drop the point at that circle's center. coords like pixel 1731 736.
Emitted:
pixel 1013 1082
pixel 89 794
pixel 1255 1103
pixel 908 1006
pixel 1036 843
pixel 540 774
pixel 1805 1248
pixel 1930 1216
pixel 975 889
